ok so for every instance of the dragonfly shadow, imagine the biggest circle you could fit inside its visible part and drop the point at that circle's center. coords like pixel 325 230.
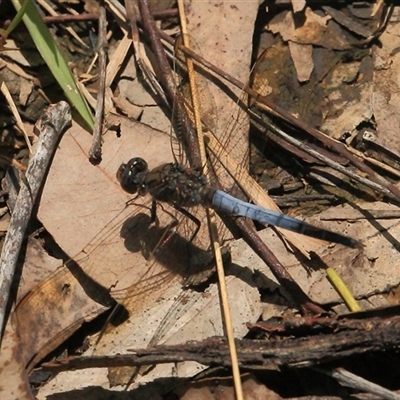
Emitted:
pixel 168 247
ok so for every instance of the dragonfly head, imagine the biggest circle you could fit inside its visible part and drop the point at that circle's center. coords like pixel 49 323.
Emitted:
pixel 131 176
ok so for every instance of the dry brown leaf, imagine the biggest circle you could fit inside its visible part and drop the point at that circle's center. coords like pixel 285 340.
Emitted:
pixel 26 89
pixel 89 384
pixel 14 382
pixel 15 351
pixel 302 60
pixel 343 99
pixel 317 30
pixel 38 265
pixel 222 389
pixel 160 5
pixel 91 6
pixel 350 105
pixel 298 5
pixel 4 220
pixel 385 96
pixel 92 194
pixel 28 58
pixel 311 32
pixel 126 108
pixel 192 316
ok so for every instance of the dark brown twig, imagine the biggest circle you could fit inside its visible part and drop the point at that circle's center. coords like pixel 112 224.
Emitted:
pixel 349 337
pixel 133 18
pixel 166 78
pixel 54 121
pixel 284 278
pixel 95 150
pixel 65 18
pixel 61 19
pixel 292 289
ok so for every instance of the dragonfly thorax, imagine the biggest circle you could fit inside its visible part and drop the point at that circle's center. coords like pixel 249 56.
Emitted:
pixel 174 184
pixel 170 183
pixel 132 176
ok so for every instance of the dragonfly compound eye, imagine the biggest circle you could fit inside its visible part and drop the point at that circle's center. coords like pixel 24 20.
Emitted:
pixel 131 175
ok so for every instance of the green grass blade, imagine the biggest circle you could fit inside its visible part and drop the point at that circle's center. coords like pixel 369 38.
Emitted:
pixel 17 19
pixel 48 49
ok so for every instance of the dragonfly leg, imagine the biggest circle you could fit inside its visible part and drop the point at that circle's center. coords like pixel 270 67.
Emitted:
pixel 153 213
pixel 187 214
pixel 167 234
pixel 132 201
pixel 164 239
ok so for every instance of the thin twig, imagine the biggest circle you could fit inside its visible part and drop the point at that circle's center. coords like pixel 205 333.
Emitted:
pixel 14 109
pixel 384 189
pixel 54 121
pixel 132 17
pixel 48 7
pixel 348 379
pixel 211 216
pixel 63 18
pixel 95 150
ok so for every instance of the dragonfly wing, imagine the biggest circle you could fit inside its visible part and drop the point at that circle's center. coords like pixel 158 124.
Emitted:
pixel 144 257
pixel 156 301
pixel 208 109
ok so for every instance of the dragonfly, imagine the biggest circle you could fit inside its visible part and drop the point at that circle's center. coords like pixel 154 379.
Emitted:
pixel 183 188
pixel 186 187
